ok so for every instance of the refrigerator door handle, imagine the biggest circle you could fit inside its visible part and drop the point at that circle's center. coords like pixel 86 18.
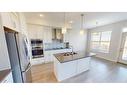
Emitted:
pixel 27 78
pixel 27 68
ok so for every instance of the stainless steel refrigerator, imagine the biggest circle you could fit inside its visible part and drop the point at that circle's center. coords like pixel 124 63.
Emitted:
pixel 17 44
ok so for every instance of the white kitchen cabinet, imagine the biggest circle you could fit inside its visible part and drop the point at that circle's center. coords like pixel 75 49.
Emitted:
pixel 71 68
pixel 23 26
pixel 15 21
pixel 35 31
pixel 6 19
pixel 8 78
pixel 48 56
pixel 66 70
pixel 40 31
pixel 47 34
pixel 83 64
pixel 11 20
pixel 31 31
pixel 37 61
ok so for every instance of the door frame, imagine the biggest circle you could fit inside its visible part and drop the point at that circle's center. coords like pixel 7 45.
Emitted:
pixel 122 43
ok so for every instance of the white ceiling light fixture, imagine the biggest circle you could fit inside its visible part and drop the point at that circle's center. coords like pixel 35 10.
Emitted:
pixel 64 29
pixel 71 22
pixel 41 15
pixel 82 23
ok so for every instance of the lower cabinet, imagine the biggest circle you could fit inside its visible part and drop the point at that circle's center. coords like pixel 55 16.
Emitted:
pixel 37 61
pixel 83 65
pixel 48 56
pixel 66 70
pixel 8 79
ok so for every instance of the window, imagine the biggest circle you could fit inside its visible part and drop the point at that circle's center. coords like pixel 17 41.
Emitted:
pixel 100 41
pixel 125 29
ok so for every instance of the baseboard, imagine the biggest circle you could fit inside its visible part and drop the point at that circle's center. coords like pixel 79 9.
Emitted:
pixel 106 59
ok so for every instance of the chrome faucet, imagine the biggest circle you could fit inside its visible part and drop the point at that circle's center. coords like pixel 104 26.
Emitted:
pixel 71 48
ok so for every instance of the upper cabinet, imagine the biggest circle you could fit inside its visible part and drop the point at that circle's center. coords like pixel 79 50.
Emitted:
pixel 47 34
pixel 15 21
pixel 35 31
pixel 6 19
pixel 40 32
pixel 23 26
pixel 11 20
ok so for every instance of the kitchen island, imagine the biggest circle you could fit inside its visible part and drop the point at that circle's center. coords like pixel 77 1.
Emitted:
pixel 70 64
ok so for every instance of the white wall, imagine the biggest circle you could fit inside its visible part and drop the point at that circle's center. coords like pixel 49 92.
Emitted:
pixel 4 57
pixel 75 39
pixel 116 29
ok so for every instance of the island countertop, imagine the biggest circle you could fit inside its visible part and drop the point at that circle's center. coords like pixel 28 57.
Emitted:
pixel 79 55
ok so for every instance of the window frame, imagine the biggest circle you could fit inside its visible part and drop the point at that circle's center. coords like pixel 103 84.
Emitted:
pixel 100 50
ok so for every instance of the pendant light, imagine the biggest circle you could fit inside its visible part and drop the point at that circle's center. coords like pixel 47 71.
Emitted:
pixel 64 29
pixel 82 23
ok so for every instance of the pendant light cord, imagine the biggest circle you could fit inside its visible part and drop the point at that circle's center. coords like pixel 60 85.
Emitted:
pixel 64 19
pixel 82 15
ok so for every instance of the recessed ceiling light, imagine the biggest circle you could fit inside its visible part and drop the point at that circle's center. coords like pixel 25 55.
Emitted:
pixel 41 15
pixel 71 21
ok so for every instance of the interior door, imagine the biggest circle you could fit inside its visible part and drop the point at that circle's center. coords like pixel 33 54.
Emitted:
pixel 123 49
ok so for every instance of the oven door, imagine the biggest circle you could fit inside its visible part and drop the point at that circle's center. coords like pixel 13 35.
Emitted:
pixel 27 77
pixel 37 53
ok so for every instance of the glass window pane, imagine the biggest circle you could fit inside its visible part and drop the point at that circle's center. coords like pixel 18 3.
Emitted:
pixel 95 45
pixel 104 46
pixel 95 36
pixel 100 41
pixel 125 29
pixel 105 36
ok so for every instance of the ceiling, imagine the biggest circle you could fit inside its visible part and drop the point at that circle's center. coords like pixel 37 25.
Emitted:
pixel 91 19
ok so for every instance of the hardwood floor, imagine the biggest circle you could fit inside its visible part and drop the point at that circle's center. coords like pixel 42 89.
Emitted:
pixel 43 73
pixel 101 71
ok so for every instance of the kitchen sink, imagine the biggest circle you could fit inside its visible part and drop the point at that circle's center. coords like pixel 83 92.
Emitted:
pixel 69 53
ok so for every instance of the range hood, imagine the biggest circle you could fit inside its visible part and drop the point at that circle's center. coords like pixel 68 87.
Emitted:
pixel 57 35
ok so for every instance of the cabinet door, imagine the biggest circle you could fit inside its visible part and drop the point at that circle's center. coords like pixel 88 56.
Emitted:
pixel 32 34
pixel 48 56
pixel 83 64
pixel 15 21
pixel 23 26
pixel 39 32
pixel 47 34
pixel 11 20
pixel 35 31
pixel 6 19
pixel 66 70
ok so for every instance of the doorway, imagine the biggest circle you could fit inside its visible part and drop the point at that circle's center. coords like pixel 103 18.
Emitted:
pixel 123 49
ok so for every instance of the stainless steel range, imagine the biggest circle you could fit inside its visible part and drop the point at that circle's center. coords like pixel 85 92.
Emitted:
pixel 37 48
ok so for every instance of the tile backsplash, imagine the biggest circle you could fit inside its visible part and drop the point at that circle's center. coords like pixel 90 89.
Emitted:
pixel 55 45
